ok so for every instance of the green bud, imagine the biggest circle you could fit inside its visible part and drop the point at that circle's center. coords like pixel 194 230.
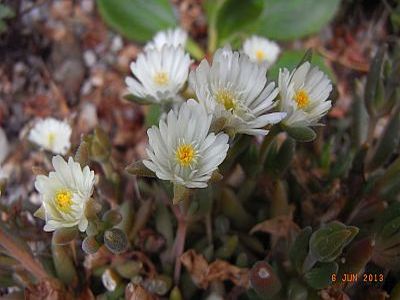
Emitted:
pixel 159 285
pixel 63 236
pixel 112 217
pixel 115 240
pixel 90 245
pixel 137 168
pixel 175 294
pixel 301 134
pixel 264 280
pixel 129 269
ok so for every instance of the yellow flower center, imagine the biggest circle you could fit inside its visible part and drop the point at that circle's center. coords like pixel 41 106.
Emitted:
pixel 63 199
pixel 227 99
pixel 302 98
pixel 161 78
pixel 185 154
pixel 51 137
pixel 260 55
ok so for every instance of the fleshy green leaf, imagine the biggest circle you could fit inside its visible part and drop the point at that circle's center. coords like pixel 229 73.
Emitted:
pixel 287 20
pixel 137 19
pixel 319 277
pixel 236 15
pixel 301 134
pixel 327 243
pixel 298 251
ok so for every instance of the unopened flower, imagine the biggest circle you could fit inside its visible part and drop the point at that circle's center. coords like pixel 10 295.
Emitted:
pixel 182 150
pixel 159 74
pixel 261 50
pixel 235 89
pixel 52 135
pixel 65 194
pixel 110 279
pixel 304 95
pixel 173 37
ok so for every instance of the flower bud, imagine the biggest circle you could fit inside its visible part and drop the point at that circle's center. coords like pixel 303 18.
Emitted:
pixel 264 280
pixel 115 240
pixel 110 280
pixel 90 245
pixel 301 134
pixel 129 269
pixel 175 294
pixel 159 285
pixel 112 217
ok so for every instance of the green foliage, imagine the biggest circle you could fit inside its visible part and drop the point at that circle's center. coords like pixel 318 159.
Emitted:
pixel 287 20
pixel 319 276
pixel 327 243
pixel 235 16
pixel 5 13
pixel 138 20
pixel 301 134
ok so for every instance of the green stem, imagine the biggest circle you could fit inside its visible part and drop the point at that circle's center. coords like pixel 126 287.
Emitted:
pixel 194 49
pixel 267 141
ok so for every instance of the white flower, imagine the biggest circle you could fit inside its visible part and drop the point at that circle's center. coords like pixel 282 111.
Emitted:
pixel 303 95
pixel 52 135
pixel 65 194
pixel 174 37
pixel 160 74
pixel 261 50
pixel 235 89
pixel 182 150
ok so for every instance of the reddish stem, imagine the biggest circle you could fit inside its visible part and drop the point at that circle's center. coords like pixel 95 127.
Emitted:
pixel 179 247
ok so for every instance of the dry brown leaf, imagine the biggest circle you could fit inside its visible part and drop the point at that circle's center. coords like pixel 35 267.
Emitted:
pixel 281 226
pixel 137 292
pixel 47 290
pixel 203 273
